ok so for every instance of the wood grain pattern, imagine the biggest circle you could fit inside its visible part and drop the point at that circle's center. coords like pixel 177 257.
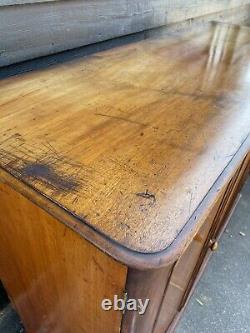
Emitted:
pixel 56 279
pixel 35 29
pixel 165 115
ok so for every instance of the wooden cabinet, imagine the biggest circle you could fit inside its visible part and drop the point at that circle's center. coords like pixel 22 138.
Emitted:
pixel 118 172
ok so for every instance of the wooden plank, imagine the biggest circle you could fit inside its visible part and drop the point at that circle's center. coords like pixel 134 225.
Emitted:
pixel 30 31
pixel 55 278
pixel 22 2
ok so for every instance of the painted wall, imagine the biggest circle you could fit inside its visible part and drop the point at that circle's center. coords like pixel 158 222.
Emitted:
pixel 32 28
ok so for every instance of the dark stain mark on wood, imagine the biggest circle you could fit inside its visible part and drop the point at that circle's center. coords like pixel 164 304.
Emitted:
pixel 125 225
pixel 47 170
pixel 47 174
pixel 146 195
pixel 223 100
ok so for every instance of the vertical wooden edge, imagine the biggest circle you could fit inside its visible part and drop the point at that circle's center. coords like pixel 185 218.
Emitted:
pixel 150 284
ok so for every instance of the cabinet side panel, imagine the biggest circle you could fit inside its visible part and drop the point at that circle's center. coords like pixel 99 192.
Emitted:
pixel 144 285
pixel 55 279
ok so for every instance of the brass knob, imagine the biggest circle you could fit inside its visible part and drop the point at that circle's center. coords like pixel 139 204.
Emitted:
pixel 214 245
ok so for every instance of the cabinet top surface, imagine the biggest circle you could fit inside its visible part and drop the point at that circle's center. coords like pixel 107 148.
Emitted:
pixel 130 140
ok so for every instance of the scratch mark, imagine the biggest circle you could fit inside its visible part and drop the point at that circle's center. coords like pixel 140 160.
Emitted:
pixel 121 118
pixel 146 195
pixel 190 202
pixel 97 264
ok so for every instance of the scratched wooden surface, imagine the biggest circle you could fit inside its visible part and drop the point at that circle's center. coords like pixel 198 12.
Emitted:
pixel 131 139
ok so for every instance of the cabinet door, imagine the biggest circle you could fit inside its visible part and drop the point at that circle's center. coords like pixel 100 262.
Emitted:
pixel 184 272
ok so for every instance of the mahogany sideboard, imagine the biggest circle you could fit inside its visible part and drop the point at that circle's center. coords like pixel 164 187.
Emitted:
pixel 118 173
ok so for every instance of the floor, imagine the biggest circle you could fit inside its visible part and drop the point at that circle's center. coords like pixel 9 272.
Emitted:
pixel 221 302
